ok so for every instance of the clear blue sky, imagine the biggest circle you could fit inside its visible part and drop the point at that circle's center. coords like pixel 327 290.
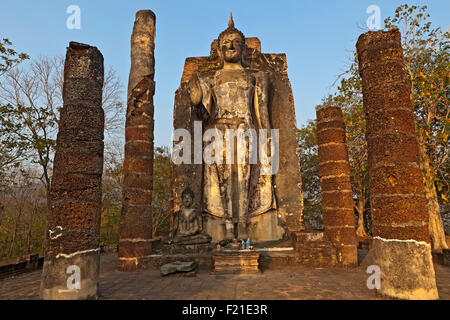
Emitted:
pixel 317 36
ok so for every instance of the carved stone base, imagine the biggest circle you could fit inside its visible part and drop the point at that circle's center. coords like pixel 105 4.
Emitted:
pixel 186 248
pixel 236 262
pixel 264 227
pixel 199 243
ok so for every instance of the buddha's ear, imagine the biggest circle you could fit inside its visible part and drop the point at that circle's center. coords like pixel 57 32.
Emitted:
pixel 220 54
pixel 244 52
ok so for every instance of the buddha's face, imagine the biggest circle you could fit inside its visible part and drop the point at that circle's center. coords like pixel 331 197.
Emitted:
pixel 231 46
pixel 187 200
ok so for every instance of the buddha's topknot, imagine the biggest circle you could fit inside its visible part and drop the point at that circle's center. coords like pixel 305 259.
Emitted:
pixel 231 29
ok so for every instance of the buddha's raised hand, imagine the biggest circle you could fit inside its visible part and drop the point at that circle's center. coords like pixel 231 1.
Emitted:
pixel 195 91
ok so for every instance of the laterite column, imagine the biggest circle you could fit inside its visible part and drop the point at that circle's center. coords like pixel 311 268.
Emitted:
pixel 337 198
pixel 399 209
pixel 72 245
pixel 136 216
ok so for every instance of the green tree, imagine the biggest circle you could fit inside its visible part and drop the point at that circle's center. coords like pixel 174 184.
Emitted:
pixel 11 150
pixel 309 167
pixel 162 191
pixel 112 180
pixel 22 220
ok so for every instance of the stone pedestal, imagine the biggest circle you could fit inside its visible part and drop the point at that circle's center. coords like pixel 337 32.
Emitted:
pixel 186 248
pixel 196 244
pixel 236 262
pixel 406 267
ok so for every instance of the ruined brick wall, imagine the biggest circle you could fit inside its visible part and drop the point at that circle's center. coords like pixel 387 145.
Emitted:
pixel 136 216
pixel 73 221
pixel 337 198
pixel 399 208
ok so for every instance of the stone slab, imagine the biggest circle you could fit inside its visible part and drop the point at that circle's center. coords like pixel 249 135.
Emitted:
pixel 177 267
pixel 155 261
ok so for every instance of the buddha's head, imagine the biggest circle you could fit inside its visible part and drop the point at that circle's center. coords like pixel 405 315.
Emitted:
pixel 231 43
pixel 187 197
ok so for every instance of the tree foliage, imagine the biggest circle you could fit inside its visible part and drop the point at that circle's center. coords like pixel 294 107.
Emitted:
pixel 11 150
pixel 8 56
pixel 162 191
pixel 309 167
pixel 22 214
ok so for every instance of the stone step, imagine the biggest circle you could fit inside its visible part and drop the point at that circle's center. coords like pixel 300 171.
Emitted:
pixel 236 262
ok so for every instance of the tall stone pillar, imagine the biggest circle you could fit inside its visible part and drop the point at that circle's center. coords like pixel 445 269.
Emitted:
pixel 337 197
pixel 399 207
pixel 72 252
pixel 136 216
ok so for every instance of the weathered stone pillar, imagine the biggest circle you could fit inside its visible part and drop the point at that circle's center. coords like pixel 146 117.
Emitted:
pixel 136 216
pixel 72 250
pixel 399 207
pixel 337 197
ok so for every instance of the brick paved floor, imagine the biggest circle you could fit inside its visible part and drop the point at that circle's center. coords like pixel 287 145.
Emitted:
pixel 298 283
